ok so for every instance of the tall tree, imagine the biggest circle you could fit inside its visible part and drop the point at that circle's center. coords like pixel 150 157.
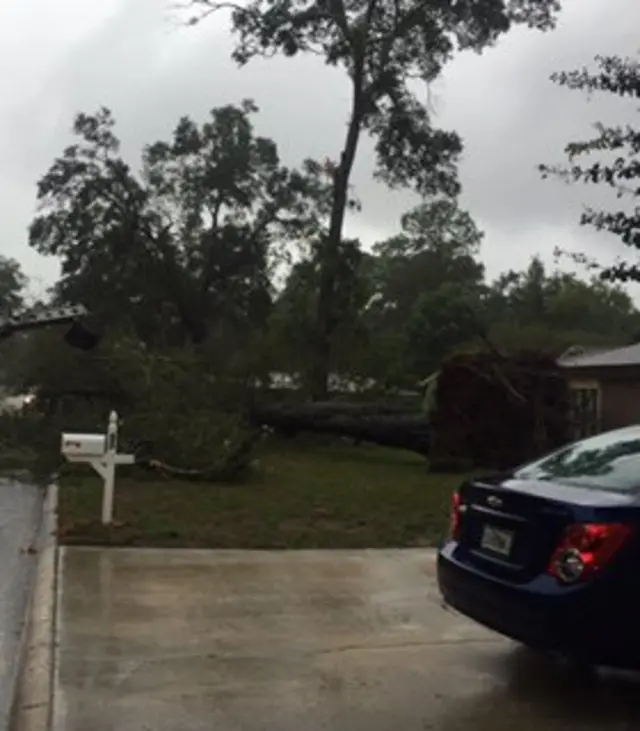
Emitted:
pixel 439 242
pixel 384 46
pixel 431 263
pixel 182 248
pixel 439 226
pixel 520 296
pixel 617 149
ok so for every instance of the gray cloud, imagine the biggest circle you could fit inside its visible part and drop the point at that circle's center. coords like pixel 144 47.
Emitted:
pixel 134 59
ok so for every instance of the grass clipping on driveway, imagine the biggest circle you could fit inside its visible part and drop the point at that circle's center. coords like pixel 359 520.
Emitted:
pixel 297 497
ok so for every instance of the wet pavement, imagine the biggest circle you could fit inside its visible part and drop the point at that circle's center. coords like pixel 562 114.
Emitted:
pixel 20 515
pixel 299 641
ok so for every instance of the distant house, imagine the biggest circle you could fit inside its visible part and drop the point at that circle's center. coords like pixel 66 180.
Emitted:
pixel 605 387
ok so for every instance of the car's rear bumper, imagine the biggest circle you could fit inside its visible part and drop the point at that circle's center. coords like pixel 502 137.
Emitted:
pixel 578 623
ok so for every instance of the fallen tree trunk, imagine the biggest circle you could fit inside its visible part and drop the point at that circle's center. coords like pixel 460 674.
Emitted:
pixel 383 424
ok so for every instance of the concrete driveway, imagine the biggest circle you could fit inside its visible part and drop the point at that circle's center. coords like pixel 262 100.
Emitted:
pixel 299 641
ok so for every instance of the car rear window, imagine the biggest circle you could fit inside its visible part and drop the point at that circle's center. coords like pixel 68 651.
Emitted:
pixel 608 461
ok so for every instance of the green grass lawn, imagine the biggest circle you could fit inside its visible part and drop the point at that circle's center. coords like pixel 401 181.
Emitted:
pixel 299 496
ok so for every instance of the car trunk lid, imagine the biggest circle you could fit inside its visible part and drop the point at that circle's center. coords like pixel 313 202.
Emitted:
pixel 510 527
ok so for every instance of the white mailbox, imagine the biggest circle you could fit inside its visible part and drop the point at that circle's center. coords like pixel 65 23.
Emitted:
pixel 101 452
pixel 80 447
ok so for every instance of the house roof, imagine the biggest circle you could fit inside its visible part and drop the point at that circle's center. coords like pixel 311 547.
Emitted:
pixel 584 358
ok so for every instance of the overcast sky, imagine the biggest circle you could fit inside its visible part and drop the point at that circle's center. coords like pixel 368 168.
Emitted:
pixel 72 55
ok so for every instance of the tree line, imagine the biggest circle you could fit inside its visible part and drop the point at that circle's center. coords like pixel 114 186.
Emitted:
pixel 212 240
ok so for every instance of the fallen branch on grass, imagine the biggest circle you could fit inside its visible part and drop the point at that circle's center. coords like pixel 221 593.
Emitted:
pixel 222 473
pixel 224 468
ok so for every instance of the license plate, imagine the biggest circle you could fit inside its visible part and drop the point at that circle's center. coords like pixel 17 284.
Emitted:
pixel 496 540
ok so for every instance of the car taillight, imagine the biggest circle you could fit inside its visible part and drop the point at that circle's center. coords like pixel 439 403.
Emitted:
pixel 456 517
pixel 585 549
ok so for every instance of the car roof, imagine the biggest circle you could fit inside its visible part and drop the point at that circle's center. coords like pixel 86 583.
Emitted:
pixel 623 431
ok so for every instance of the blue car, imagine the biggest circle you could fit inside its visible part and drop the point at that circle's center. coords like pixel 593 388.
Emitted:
pixel 549 554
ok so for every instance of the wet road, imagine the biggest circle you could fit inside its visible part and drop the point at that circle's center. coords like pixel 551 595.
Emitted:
pixel 300 641
pixel 20 514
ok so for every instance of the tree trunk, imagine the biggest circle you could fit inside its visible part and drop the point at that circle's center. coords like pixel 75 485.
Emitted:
pixel 326 317
pixel 389 426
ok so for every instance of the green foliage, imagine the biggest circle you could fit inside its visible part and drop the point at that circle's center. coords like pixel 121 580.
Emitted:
pixel 184 248
pixel 423 277
pixel 438 226
pixel 559 308
pixel 293 317
pixel 618 151
pixel 180 406
pixel 12 285
pixel 188 416
pixel 441 321
pixel 12 292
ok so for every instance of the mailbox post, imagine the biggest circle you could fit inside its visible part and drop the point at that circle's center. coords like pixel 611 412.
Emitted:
pixel 110 469
pixel 100 451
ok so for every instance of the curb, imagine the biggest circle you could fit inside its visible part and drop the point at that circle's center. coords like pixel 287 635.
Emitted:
pixel 33 703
